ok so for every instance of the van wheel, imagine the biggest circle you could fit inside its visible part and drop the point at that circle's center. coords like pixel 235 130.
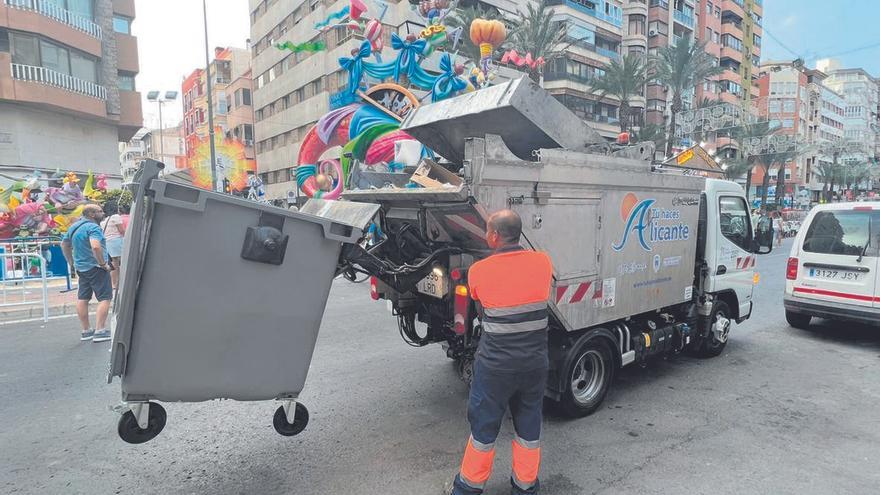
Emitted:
pixel 719 330
pixel 587 379
pixel 798 320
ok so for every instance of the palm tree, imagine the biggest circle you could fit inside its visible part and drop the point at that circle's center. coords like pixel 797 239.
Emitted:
pixel 623 80
pixel 652 132
pixel 537 33
pixel 680 68
pixel 767 161
pixel 462 17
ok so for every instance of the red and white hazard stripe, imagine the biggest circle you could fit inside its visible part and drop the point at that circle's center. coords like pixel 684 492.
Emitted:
pixel 747 262
pixel 575 293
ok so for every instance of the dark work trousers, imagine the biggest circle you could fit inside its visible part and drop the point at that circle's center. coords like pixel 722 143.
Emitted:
pixel 492 392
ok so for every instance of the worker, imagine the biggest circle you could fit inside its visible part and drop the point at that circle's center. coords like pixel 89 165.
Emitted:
pixel 512 287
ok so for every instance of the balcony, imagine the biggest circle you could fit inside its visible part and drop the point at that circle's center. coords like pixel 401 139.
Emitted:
pixel 683 19
pixel 605 52
pixel 56 79
pixel 49 9
pixel 589 8
pixel 663 4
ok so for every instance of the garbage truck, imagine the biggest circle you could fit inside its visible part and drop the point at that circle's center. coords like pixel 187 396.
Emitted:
pixel 648 260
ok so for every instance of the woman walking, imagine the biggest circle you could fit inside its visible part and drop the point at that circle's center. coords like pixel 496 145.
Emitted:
pixel 114 231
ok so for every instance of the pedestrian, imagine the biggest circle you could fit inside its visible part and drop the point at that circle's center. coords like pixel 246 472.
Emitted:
pixel 113 227
pixel 85 249
pixel 779 229
pixel 512 287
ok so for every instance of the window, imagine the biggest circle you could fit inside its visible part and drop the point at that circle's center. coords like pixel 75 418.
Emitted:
pixel 4 40
pixel 708 33
pixel 221 103
pixel 775 106
pixel 84 8
pixel 718 12
pixel 85 67
pixel 716 37
pixel 25 50
pixel 54 57
pixel 839 232
pixel 126 82
pixel 735 221
pixel 316 86
pixel 731 42
pixel 757 40
pixel 245 97
pixel 636 24
pixel 787 124
pixel 708 8
pixel 248 132
pixel 121 24
pixel 788 106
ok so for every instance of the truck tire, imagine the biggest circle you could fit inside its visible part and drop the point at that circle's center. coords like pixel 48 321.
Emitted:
pixel 587 379
pixel 712 345
pixel 798 320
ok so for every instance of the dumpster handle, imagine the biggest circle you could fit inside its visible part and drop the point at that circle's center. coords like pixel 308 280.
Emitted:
pixel 186 198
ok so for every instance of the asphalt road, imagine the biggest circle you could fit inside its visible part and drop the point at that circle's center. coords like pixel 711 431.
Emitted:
pixel 780 411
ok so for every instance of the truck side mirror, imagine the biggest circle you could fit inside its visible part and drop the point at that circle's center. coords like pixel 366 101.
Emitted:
pixel 763 243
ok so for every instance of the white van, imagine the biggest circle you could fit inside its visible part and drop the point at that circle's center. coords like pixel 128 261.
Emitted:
pixel 832 269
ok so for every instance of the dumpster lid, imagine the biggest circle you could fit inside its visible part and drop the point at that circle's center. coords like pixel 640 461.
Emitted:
pixel 525 116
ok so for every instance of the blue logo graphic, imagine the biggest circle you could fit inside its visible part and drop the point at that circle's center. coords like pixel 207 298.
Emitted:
pixel 637 221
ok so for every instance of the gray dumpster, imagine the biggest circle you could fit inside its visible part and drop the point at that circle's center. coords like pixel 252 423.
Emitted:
pixel 221 298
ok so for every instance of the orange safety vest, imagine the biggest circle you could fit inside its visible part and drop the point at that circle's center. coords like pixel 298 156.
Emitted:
pixel 513 287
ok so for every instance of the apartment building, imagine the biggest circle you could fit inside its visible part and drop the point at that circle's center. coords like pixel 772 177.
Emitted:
pixel 732 32
pixel 231 96
pixel 861 93
pixel 67 91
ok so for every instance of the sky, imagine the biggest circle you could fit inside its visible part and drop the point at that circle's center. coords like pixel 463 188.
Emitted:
pixel 848 30
pixel 171 44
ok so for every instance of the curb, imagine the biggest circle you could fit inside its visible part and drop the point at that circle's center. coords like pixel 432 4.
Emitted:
pixel 37 311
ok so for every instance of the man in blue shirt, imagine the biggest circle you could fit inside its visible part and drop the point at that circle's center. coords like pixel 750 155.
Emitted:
pixel 85 249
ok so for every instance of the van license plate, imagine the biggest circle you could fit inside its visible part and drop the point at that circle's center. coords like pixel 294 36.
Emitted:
pixel 435 284
pixel 835 274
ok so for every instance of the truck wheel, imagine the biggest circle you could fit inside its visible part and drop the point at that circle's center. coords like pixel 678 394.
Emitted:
pixel 587 379
pixel 719 330
pixel 798 320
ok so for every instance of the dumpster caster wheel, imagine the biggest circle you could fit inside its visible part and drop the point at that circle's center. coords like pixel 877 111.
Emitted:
pixel 129 430
pixel 285 427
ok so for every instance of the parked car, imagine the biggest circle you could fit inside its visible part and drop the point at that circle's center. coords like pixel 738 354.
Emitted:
pixel 832 269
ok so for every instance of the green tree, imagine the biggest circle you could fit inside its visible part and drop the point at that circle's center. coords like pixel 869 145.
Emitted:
pixel 462 17
pixel 623 80
pixel 680 68
pixel 652 132
pixel 767 161
pixel 539 34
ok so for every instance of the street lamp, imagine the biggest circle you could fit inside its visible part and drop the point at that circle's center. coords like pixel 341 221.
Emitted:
pixel 157 97
pixel 210 102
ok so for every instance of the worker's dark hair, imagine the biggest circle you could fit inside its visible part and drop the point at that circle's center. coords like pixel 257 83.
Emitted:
pixel 508 224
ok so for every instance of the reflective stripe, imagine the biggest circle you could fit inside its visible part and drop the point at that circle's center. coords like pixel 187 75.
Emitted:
pixel 526 464
pixel 527 326
pixel 482 447
pixel 513 310
pixel 529 444
pixel 535 315
pixel 476 466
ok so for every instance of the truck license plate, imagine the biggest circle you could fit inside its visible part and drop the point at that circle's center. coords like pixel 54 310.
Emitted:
pixel 434 284
pixel 835 274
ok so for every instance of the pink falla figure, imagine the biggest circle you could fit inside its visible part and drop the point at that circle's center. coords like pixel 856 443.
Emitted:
pixel 32 217
pixel 101 183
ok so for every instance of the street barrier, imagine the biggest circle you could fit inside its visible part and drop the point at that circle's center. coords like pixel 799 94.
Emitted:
pixel 47 247
pixel 18 281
